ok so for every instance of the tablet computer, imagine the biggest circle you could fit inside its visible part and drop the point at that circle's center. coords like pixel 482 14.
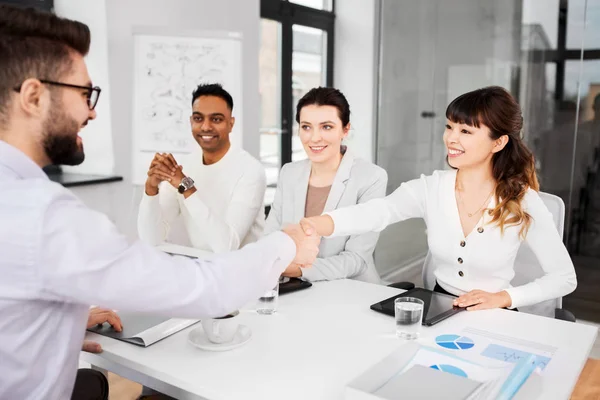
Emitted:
pixel 289 285
pixel 437 307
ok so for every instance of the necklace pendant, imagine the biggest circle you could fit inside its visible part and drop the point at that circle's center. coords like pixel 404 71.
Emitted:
pixel 470 215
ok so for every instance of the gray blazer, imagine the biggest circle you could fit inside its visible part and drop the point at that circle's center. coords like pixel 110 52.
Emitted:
pixel 357 181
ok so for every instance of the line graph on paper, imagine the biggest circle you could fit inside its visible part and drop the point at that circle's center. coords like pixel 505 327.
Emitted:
pixel 512 355
pixel 510 349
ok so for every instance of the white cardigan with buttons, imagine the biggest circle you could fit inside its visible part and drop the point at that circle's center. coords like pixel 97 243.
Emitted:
pixel 485 258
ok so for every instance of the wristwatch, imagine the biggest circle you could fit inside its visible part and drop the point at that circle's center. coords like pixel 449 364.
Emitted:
pixel 186 184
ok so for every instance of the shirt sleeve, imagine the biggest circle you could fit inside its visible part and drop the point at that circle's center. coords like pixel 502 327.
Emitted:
pixel 245 205
pixel 544 240
pixel 407 201
pixel 358 251
pixel 83 259
pixel 156 214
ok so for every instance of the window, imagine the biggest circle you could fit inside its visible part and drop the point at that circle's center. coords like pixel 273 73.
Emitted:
pixel 296 54
pixel 309 63
pixel 580 30
pixel 318 4
pixel 269 87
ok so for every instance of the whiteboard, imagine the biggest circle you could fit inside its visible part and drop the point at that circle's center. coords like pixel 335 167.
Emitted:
pixel 167 69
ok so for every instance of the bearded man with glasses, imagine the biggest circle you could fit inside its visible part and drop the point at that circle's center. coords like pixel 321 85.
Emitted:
pixel 57 257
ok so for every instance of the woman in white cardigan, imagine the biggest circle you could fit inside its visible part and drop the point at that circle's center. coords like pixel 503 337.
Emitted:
pixel 477 214
pixel 331 177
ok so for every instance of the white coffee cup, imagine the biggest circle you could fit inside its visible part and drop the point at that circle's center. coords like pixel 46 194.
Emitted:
pixel 221 330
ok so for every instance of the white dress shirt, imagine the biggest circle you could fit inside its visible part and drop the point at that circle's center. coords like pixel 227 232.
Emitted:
pixel 485 258
pixel 224 214
pixel 57 257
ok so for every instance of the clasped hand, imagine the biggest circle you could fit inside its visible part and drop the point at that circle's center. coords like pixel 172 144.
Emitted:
pixel 163 167
pixel 307 243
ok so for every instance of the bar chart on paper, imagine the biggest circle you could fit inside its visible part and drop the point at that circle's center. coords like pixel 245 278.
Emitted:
pixel 454 342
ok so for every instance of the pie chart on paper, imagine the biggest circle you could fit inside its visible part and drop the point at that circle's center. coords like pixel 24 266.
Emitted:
pixel 451 369
pixel 454 342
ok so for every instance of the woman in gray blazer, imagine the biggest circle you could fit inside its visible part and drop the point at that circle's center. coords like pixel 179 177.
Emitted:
pixel 332 177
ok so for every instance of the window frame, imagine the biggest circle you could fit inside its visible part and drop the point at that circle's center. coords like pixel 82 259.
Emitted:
pixel 289 14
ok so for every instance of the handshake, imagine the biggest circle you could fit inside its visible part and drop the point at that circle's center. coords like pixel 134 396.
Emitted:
pixel 307 240
pixel 307 236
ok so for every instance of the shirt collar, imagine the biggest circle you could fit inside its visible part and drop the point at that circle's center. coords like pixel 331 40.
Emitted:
pixel 15 160
pixel 224 160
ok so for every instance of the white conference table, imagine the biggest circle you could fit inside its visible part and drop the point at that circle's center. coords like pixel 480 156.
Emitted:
pixel 320 339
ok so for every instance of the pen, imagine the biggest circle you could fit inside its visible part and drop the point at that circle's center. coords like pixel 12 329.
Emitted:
pixel 517 377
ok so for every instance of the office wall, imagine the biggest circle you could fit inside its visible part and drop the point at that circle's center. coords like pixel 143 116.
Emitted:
pixel 355 69
pixel 119 201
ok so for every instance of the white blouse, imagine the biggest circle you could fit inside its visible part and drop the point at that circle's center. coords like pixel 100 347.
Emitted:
pixel 485 258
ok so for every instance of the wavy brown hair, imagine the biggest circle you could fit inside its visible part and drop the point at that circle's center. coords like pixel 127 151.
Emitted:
pixel 513 167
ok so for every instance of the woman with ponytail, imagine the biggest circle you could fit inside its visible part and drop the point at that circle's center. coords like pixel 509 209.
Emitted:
pixel 477 214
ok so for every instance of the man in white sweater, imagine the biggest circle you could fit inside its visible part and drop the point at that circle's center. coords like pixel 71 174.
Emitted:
pixel 218 191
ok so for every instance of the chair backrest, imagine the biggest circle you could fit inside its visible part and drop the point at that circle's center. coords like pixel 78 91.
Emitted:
pixel 428 277
pixel 556 206
pixel 527 267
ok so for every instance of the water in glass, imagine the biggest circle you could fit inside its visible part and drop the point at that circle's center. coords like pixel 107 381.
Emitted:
pixel 409 314
pixel 267 303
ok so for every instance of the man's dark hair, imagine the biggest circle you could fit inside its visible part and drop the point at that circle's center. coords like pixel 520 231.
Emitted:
pixel 36 44
pixel 213 89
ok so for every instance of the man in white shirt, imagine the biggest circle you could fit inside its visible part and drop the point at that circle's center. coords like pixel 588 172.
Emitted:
pixel 218 191
pixel 57 256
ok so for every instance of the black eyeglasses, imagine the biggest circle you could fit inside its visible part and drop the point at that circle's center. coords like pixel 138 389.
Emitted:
pixel 93 93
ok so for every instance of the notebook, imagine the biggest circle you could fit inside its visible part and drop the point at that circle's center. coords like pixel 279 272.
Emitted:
pixel 142 329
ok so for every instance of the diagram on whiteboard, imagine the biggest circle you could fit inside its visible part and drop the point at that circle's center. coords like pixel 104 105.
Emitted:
pixel 167 70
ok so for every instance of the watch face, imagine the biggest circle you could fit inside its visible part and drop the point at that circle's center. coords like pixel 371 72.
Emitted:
pixel 186 184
